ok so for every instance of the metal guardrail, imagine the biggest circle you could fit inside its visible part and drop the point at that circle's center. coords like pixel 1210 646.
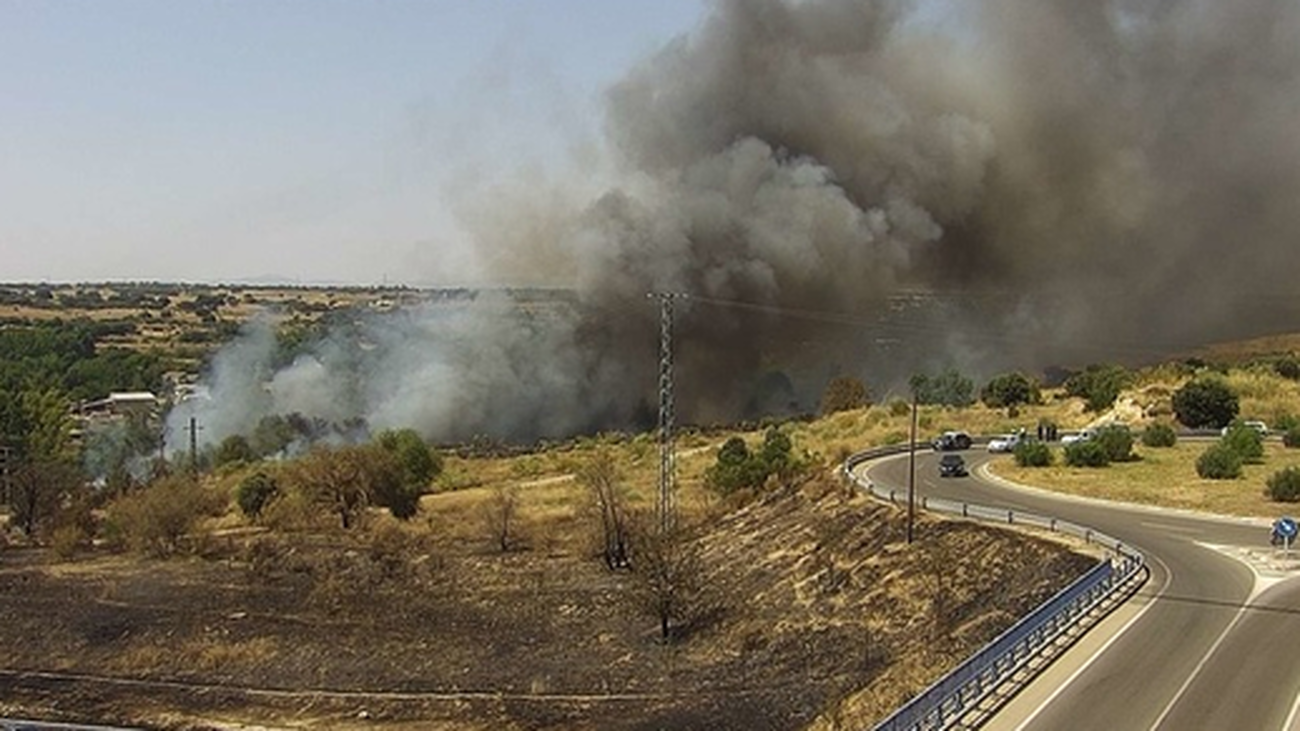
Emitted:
pixel 963 691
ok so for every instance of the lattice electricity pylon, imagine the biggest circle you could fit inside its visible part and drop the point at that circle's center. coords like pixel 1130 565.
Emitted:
pixel 667 457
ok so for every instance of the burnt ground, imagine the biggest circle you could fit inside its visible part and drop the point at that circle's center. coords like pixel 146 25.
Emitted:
pixel 814 613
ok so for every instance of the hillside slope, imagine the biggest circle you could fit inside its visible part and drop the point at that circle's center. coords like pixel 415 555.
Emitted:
pixel 814 599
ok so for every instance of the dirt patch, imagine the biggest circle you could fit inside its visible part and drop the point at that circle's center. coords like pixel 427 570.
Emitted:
pixel 817 611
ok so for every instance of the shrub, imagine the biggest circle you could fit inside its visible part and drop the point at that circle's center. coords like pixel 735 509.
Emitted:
pixel 1284 486
pixel 1033 454
pixel 899 407
pixel 1288 368
pixel 154 519
pixel 1245 442
pixel 1205 402
pixel 737 467
pixel 1117 440
pixel 1087 453
pixel 254 492
pixel 1159 434
pixel 1219 462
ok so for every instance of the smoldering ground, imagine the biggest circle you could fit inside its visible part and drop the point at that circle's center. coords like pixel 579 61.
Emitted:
pixel 1064 182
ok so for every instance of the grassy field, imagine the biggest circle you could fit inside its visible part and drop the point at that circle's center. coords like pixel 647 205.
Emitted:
pixel 1165 477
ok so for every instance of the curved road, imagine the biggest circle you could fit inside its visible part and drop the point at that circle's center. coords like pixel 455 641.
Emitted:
pixel 1208 643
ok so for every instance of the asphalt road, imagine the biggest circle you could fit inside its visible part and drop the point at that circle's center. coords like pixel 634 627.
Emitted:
pixel 1208 643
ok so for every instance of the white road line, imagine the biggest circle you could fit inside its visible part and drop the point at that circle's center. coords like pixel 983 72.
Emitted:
pixel 1289 725
pixel 1200 665
pixel 1100 651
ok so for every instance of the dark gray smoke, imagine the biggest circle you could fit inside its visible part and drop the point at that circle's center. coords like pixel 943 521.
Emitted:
pixel 1043 182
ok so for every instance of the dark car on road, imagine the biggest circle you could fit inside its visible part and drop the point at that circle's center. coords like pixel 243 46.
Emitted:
pixel 952 440
pixel 952 465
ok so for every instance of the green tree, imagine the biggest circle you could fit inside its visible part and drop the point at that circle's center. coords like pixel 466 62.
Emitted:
pixel 949 388
pixel 1009 390
pixel 1205 402
pixel 389 485
pixel 738 468
pixel 1098 385
pixel 844 393
pixel 735 468
pixel 234 448
pixel 420 464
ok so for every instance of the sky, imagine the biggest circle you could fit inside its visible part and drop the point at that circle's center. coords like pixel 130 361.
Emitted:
pixel 328 141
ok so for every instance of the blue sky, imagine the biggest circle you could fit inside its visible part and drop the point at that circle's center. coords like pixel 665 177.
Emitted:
pixel 306 140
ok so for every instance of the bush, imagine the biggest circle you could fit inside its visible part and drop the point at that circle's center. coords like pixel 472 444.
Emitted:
pixel 1159 434
pixel 1117 440
pixel 899 407
pixel 1288 368
pixel 154 519
pixel 1088 453
pixel 254 492
pixel 1033 454
pixel 1246 443
pixel 1284 486
pixel 1205 403
pixel 737 467
pixel 1219 462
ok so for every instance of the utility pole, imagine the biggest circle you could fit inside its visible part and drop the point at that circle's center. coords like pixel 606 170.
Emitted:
pixel 911 474
pixel 667 458
pixel 194 430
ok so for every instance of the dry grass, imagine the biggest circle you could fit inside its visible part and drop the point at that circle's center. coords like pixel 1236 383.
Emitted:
pixel 1164 477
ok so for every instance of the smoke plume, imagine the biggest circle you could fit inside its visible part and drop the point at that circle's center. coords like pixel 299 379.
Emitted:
pixel 858 187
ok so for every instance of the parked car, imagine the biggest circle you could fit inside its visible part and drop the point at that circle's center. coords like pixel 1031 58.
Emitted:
pixel 1004 443
pixel 1258 426
pixel 952 440
pixel 1079 436
pixel 952 465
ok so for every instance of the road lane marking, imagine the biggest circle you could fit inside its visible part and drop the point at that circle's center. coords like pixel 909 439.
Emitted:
pixel 1169 577
pixel 1182 529
pixel 1289 725
pixel 1201 665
